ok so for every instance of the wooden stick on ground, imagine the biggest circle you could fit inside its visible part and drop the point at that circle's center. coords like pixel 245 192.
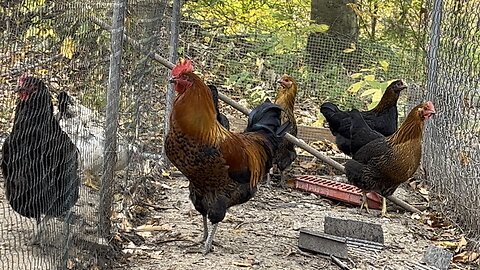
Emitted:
pixel 245 111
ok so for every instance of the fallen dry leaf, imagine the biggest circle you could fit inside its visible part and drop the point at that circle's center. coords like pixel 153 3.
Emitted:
pixel 423 191
pixel 461 244
pixel 245 263
pixel 151 228
pixel 449 244
pixel 70 264
pixel 464 158
pixel 435 220
pixel 466 257
pixel 415 216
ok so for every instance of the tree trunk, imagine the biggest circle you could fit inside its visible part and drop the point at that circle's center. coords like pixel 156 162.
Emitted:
pixel 343 30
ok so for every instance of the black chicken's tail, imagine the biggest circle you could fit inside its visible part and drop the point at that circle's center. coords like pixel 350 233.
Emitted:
pixel 214 91
pixel 221 118
pixel 266 118
pixel 360 132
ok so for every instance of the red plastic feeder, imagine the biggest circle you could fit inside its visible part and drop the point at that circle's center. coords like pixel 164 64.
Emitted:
pixel 337 190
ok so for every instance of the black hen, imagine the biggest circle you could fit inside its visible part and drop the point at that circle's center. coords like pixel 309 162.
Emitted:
pixel 40 162
pixel 221 118
pixel 360 133
pixel 382 118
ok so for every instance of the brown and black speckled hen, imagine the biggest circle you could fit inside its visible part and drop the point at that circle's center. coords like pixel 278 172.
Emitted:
pixel 382 164
pixel 223 168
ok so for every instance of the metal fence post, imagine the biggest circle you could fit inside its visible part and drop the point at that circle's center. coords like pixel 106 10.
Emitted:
pixel 174 32
pixel 434 45
pixel 111 123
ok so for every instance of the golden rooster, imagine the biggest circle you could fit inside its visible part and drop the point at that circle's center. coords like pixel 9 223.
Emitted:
pixel 223 168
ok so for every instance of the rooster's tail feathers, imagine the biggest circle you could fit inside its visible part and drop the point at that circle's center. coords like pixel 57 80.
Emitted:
pixel 266 118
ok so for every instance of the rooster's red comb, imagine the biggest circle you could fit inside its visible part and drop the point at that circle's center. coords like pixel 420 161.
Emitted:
pixel 22 78
pixel 184 65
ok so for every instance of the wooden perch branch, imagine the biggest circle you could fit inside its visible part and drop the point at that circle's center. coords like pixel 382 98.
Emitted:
pixel 245 111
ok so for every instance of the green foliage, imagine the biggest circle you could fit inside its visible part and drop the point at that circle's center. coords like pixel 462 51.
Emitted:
pixel 370 85
pixel 398 22
pixel 282 24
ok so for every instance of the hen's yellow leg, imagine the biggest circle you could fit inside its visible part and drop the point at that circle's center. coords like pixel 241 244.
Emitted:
pixel 384 207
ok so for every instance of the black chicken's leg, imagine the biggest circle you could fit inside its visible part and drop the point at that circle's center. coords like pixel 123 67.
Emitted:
pixel 208 243
pixel 205 229
pixel 283 179
pixel 36 239
pixel 364 202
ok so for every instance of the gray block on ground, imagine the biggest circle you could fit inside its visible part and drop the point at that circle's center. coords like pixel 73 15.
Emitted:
pixel 321 243
pixel 354 229
pixel 438 257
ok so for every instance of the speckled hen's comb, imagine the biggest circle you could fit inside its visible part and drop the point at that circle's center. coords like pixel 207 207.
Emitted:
pixel 429 106
pixel 184 65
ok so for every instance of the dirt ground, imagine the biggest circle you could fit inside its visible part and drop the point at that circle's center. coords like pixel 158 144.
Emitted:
pixel 16 250
pixel 158 228
pixel 263 233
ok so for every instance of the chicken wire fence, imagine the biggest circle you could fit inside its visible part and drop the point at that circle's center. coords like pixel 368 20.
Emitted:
pixel 452 140
pixel 68 46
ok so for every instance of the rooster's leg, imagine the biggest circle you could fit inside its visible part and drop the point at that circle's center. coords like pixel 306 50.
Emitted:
pixel 269 177
pixel 205 229
pixel 384 207
pixel 208 243
pixel 364 202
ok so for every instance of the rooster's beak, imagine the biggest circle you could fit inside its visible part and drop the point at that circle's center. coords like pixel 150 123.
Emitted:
pixel 18 89
pixel 172 80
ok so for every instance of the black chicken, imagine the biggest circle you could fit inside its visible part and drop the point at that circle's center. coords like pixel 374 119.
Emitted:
pixel 221 118
pixel 382 118
pixel 40 162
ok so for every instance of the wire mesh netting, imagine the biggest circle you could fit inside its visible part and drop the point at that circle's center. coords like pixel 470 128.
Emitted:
pixel 57 56
pixel 452 155
pixel 57 53
pixel 352 73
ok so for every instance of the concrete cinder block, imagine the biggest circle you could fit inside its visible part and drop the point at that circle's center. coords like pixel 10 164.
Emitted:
pixel 321 243
pixel 438 257
pixel 354 229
